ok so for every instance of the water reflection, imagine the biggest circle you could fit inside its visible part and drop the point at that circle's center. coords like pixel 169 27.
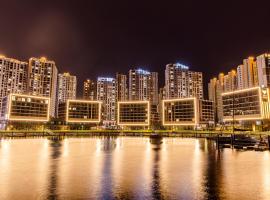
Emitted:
pixel 130 168
pixel 156 182
pixel 213 170
pixel 56 151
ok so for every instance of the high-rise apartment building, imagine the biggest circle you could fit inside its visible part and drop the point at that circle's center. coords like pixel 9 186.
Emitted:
pixel 263 66
pixel 247 74
pixel 121 87
pixel 106 93
pixel 230 81
pixel 66 87
pixel 143 85
pixel 180 82
pixel 42 80
pixel 215 89
pixel 90 89
pixel 13 77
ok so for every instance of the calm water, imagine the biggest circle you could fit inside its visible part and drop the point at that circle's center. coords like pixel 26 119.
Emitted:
pixel 130 168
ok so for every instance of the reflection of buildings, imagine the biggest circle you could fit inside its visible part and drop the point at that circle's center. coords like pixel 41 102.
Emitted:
pixel 55 146
pixel 156 179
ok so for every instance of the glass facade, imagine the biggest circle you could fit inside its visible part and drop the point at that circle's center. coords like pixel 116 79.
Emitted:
pixel 245 104
pixel 179 111
pixel 133 113
pixel 24 107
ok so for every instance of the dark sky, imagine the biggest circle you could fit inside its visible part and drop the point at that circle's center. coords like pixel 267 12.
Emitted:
pixel 92 38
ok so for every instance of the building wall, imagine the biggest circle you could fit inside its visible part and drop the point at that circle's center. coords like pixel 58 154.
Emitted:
pixel 143 86
pixel 13 77
pixel 80 111
pixel 246 104
pixel 67 87
pixel 42 80
pixel 180 112
pixel 182 83
pixel 133 113
pixel 121 87
pixel 106 92
pixel 19 107
pixel 90 89
pixel 263 66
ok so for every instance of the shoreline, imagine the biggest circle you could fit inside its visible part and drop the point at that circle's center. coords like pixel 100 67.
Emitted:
pixel 135 133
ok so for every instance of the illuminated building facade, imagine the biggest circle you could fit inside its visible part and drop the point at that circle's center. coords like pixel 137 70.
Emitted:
pixel 180 82
pixel 133 113
pixel 42 80
pixel 80 111
pixel 106 93
pixel 263 66
pixel 90 89
pixel 13 77
pixel 67 86
pixel 246 104
pixel 121 87
pixel 187 112
pixel 25 108
pixel 247 74
pixel 143 86
pixel 180 112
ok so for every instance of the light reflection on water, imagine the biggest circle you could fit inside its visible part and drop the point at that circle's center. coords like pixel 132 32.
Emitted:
pixel 130 168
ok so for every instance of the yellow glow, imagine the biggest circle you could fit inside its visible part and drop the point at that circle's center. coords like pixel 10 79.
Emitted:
pixel 133 124
pixel 81 120
pixel 243 118
pixel 264 112
pixel 25 118
pixel 239 91
pixel 181 123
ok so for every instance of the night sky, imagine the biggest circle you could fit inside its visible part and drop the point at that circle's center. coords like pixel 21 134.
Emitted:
pixel 99 38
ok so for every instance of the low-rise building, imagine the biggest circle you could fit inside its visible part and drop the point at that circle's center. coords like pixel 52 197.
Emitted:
pixel 180 112
pixel 80 111
pixel 187 112
pixel 133 113
pixel 24 108
pixel 251 104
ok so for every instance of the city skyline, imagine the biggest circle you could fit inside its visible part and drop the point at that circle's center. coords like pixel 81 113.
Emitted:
pixel 111 36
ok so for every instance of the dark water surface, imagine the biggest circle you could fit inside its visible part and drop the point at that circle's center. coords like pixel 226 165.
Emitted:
pixel 130 168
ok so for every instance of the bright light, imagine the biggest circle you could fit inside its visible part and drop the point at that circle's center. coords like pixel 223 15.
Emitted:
pixel 181 66
pixel 108 79
pixel 142 71
pixel 239 91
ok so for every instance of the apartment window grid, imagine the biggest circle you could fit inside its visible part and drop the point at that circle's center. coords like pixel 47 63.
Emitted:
pixel 133 113
pixel 28 107
pixel 182 111
pixel 83 110
pixel 246 103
